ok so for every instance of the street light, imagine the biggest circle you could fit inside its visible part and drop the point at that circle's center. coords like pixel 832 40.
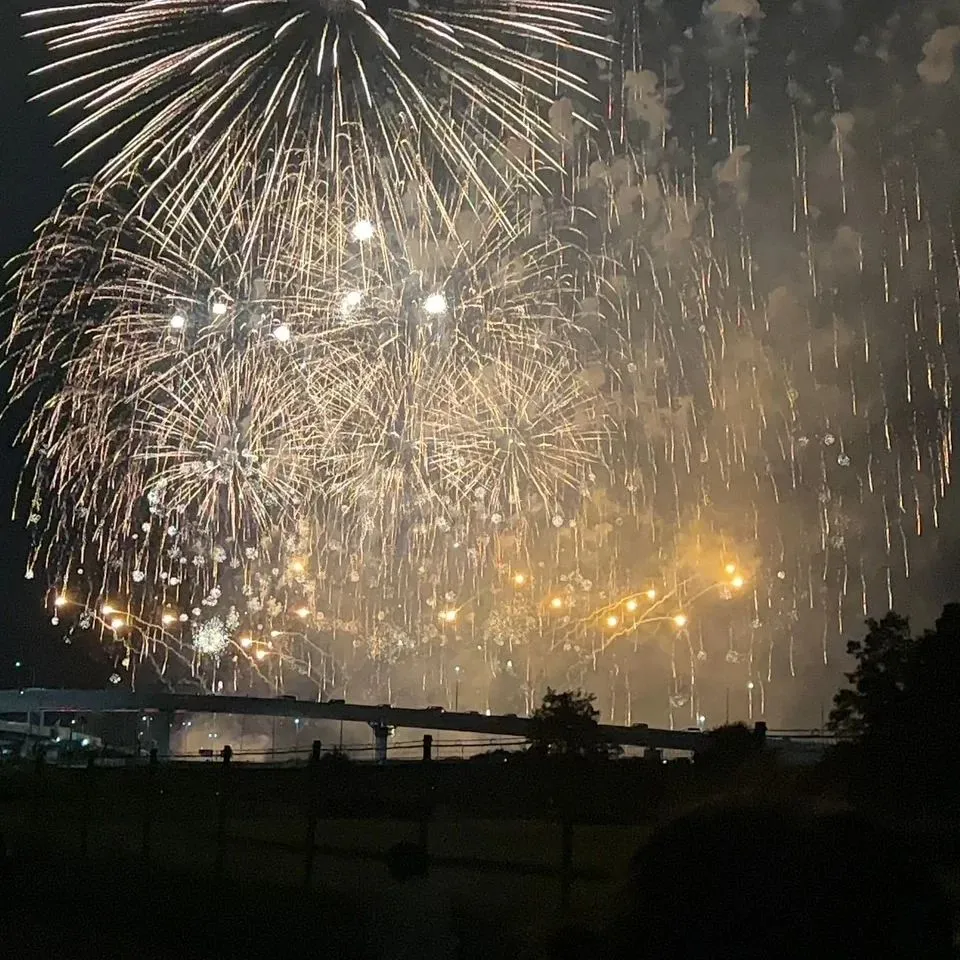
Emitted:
pixel 456 695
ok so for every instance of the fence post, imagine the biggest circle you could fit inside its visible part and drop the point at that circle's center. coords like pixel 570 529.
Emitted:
pixel 566 860
pixel 148 807
pixel 86 811
pixel 313 799
pixel 226 754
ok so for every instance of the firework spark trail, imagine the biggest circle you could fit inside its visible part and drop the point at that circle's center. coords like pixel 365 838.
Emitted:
pixel 726 340
pixel 216 83
pixel 226 397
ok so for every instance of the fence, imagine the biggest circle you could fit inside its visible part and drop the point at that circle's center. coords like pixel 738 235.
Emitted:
pixel 222 818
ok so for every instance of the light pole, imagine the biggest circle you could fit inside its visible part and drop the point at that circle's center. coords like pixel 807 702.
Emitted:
pixel 456 694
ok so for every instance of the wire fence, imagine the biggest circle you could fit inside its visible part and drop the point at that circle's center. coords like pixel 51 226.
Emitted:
pixel 231 820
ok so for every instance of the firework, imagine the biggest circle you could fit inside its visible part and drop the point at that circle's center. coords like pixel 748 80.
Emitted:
pixel 385 92
pixel 247 396
pixel 669 428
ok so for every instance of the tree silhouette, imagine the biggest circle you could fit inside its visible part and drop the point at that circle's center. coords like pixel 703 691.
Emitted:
pixel 904 698
pixel 728 747
pixel 883 682
pixel 565 724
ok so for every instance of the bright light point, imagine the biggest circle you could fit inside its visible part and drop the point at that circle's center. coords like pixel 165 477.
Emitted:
pixel 274 633
pixel 651 594
pixel 612 621
pixel 680 620
pixel 556 603
pixel 296 567
pixel 631 606
pixel 449 616
pixel 106 610
pixel 519 579
pixel 246 643
pixel 168 618
pixel 219 309
pixel 351 301
pixel 487 711
pixel 701 719
pixel 261 654
pixel 731 569
pixel 281 333
pixel 60 601
pixel 435 304
pixel 117 623
pixel 363 230
pixel 178 321
pixel 749 684
pixel 303 613
pixel 737 582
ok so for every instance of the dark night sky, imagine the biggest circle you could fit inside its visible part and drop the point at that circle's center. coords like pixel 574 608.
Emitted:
pixel 31 182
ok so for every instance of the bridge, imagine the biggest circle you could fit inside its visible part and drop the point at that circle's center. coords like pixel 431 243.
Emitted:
pixel 382 720
pixel 28 734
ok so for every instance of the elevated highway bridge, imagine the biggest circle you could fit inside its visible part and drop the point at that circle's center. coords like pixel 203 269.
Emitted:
pixel 382 720
pixel 163 707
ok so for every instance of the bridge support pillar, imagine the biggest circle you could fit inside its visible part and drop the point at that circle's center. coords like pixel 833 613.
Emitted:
pixel 162 729
pixel 381 733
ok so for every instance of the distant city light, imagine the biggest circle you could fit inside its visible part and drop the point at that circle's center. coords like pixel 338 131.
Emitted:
pixel 680 620
pixel 178 321
pixel 651 594
pixel 556 603
pixel 612 621
pixel 731 569
pixel 631 606
pixel 737 582
pixel 449 615
pixel 282 333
